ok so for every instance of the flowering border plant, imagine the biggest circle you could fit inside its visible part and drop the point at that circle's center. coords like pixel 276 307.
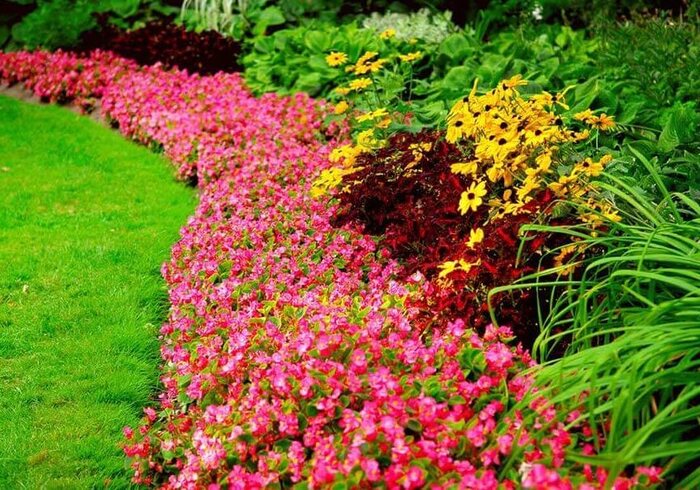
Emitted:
pixel 293 355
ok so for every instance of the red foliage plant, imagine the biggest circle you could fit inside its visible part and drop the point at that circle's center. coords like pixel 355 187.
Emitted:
pixel 206 52
pixel 407 194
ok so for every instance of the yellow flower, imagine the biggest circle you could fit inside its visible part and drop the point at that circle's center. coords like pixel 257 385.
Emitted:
pixel 341 107
pixel 472 197
pixel 375 66
pixel 366 140
pixel 564 257
pixel 513 82
pixel 372 115
pixel 456 265
pixel 465 168
pixel 585 116
pixel 603 122
pixel 447 268
pixel 454 131
pixel 545 99
pixel 336 58
pixel 384 123
pixel 495 173
pixel 475 236
pixel 360 84
pixel 582 136
pixel 561 187
pixel 411 56
pixel 531 183
pixel 516 208
pixel 366 57
pixel 544 160
pixel 362 66
pixel 612 215
pixel 329 179
pixel 388 34
pixel 342 90
pixel 589 167
pixel 346 154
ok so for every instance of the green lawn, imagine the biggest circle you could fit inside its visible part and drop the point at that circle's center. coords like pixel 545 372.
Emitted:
pixel 86 219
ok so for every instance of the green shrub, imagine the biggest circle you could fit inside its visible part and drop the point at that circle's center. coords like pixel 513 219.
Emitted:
pixel 60 23
pixel 293 60
pixel 54 24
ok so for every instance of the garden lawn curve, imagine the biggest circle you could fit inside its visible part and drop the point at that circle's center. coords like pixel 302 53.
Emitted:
pixel 86 219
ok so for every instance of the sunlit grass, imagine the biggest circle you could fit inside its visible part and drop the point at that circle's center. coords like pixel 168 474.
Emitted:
pixel 86 219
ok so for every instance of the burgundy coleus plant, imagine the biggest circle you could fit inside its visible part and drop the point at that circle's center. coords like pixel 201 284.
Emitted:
pixel 407 194
pixel 161 41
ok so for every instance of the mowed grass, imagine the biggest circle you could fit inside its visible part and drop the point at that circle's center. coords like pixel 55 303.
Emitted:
pixel 86 219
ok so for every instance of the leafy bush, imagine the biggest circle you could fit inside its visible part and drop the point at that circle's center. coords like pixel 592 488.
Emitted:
pixel 407 195
pixel 293 60
pixel 656 113
pixel 60 23
pixel 164 42
pixel 54 24
pixel 656 58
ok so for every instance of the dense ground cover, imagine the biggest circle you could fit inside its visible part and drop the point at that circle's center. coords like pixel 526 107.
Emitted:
pixel 86 218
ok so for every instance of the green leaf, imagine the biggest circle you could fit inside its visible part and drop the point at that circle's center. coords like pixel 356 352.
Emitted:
pixel 456 47
pixel 125 8
pixel 457 400
pixel 679 128
pixel 459 77
pixel 414 425
pixel 271 16
pixel 317 41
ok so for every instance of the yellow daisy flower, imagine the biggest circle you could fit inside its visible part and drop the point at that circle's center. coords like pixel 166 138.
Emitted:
pixel 388 34
pixel 360 84
pixel 603 122
pixel 336 58
pixel 372 115
pixel 411 56
pixel 471 199
pixel 341 107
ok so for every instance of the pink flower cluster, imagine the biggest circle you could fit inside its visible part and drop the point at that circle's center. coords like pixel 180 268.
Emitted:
pixel 64 77
pixel 290 356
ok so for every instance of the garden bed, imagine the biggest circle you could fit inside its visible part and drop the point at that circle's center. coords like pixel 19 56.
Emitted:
pixel 471 262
